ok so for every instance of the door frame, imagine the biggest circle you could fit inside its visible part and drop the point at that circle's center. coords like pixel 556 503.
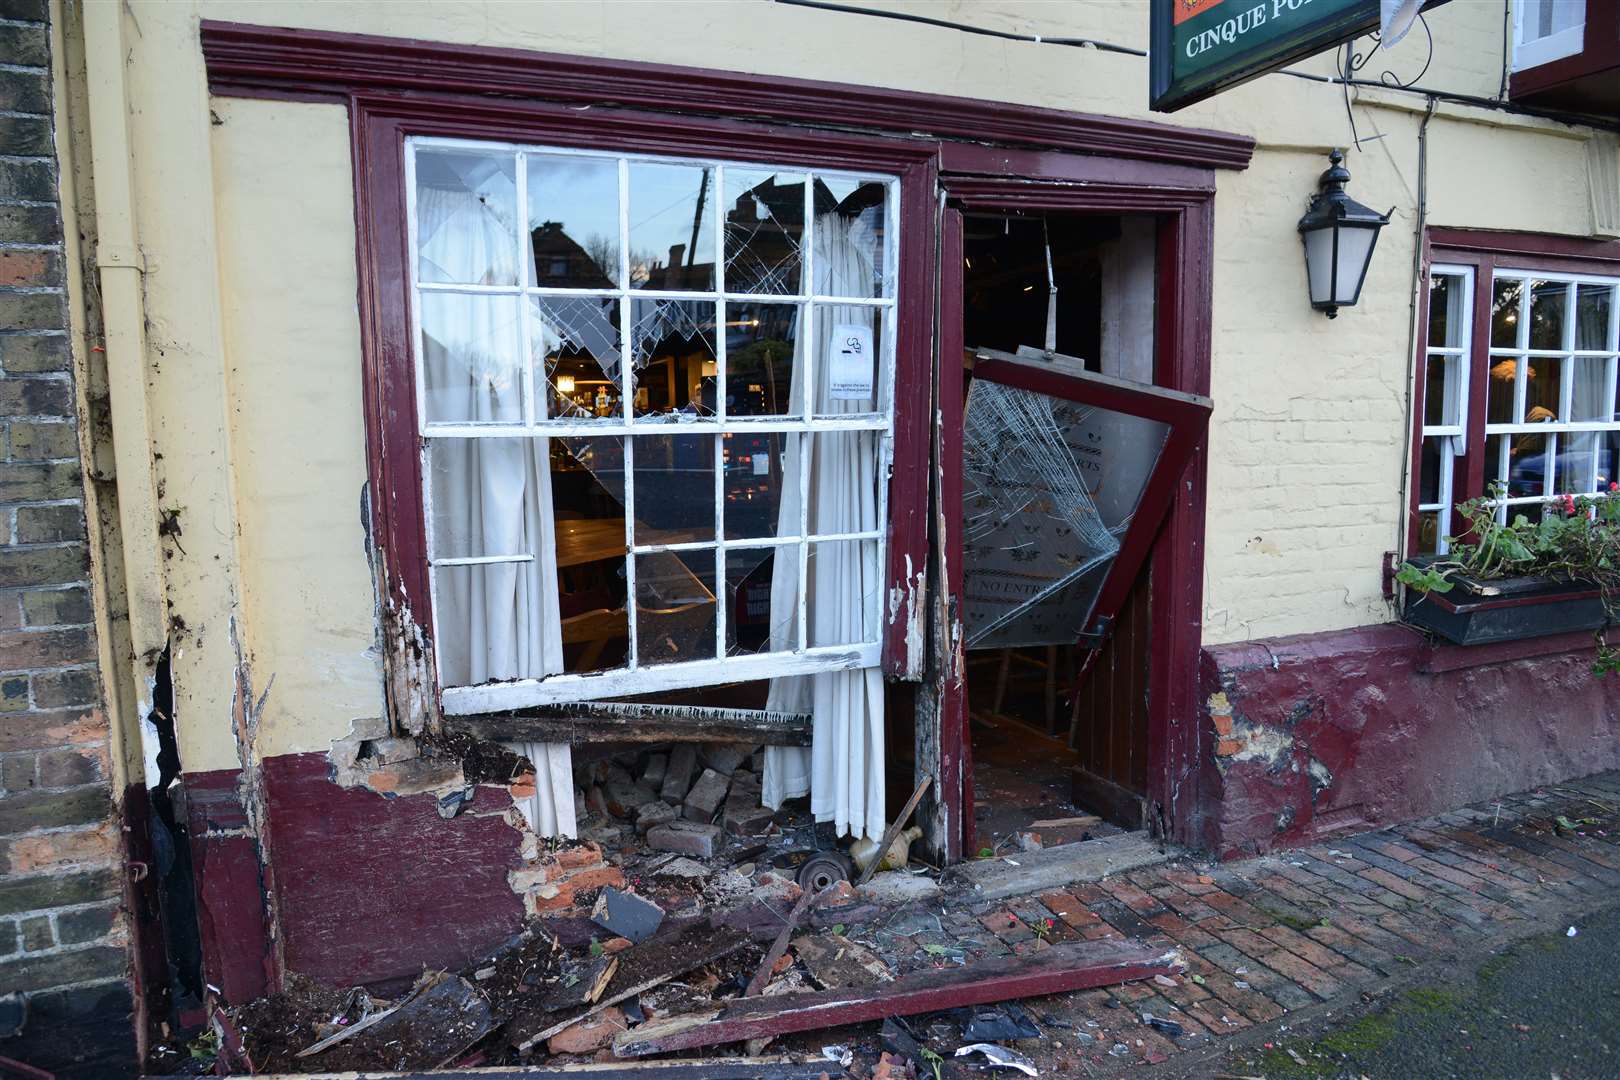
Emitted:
pixel 1181 199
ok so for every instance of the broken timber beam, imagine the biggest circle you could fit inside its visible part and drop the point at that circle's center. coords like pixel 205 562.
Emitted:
pixel 1076 966
pixel 603 721
pixel 738 1068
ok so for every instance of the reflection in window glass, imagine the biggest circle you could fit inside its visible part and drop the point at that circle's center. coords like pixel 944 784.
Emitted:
pixel 673 345
pixel 574 221
pixel 589 548
pixel 466 217
pixel 1528 465
pixel 1593 308
pixel 575 340
pixel 1548 301
pixel 761 598
pixel 671 227
pixel 754 464
pixel 1506 297
pixel 674 489
pixel 764 231
pixel 675 607
pixel 762 350
pixel 1500 390
pixel 1542 386
pixel 1446 313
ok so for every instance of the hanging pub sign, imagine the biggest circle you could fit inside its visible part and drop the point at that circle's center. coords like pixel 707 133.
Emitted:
pixel 1201 47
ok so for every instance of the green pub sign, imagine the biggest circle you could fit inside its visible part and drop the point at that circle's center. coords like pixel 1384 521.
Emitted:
pixel 1201 47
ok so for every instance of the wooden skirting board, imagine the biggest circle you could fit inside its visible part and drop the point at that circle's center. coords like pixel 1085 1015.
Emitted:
pixel 1076 966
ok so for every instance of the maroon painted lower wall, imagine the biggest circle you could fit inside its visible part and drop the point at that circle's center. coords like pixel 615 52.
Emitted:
pixel 354 887
pixel 1360 728
pixel 371 888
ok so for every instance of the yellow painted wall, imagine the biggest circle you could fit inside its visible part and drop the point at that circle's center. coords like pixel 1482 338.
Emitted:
pixel 245 214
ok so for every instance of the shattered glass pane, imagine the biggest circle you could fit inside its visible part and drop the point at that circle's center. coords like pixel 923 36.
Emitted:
pixel 675 607
pixel 1049 488
pixel 671 227
pixel 764 231
pixel 672 348
pixel 466 217
pixel 574 221
pixel 576 355
pixel 754 623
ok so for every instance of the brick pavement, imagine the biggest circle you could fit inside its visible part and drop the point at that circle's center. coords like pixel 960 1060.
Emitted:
pixel 1314 928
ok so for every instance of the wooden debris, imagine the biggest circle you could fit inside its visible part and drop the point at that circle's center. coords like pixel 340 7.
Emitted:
pixel 437 1021
pixel 778 947
pixel 834 961
pixel 731 1068
pixel 1075 966
pixel 593 983
pixel 653 963
pixel 894 830
pixel 1083 821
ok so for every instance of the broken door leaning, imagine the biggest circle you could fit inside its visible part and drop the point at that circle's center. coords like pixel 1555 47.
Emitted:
pixel 1067 476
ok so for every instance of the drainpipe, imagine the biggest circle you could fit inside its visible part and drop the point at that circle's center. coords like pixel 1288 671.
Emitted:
pixel 1414 333
pixel 120 269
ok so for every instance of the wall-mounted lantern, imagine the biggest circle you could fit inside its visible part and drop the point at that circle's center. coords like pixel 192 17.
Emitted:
pixel 1339 235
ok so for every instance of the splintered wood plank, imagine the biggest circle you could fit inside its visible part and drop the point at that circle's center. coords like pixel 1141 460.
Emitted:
pixel 598 721
pixel 1077 966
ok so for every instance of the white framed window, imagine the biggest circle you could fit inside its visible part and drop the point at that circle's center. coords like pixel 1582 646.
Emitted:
pixel 1447 347
pixel 1552 426
pixel 1547 30
pixel 656 405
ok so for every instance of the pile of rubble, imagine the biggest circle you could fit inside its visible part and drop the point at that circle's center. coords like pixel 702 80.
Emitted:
pixel 686 916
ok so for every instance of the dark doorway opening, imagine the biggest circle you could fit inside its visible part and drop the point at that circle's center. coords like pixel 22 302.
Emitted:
pixel 1058 710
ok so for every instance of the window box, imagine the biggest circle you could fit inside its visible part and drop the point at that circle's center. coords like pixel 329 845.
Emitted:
pixel 1507 609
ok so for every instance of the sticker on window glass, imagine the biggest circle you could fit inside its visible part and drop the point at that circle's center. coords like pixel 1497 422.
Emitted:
pixel 850 378
pixel 762 464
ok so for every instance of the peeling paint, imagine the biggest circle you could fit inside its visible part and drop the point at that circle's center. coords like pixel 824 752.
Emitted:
pixel 1257 743
pixel 905 601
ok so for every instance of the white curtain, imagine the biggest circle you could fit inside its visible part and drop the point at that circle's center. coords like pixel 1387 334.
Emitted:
pixel 489 496
pixel 842 770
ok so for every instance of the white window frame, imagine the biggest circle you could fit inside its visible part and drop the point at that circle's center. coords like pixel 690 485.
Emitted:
pixel 633 677
pixel 1523 355
pixel 1555 46
pixel 1453 437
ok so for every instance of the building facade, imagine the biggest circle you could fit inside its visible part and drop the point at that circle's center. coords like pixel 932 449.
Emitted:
pixel 439 365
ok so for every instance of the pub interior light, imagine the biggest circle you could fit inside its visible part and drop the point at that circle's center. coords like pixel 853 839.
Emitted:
pixel 565 384
pixel 1339 234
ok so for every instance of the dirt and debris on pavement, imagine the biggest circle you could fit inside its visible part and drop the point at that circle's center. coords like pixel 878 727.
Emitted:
pixel 666 907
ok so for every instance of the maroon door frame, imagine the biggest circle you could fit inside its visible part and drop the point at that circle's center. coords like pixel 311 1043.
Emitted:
pixel 1181 199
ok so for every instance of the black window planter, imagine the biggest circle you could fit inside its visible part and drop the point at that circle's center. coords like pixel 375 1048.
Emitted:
pixel 1507 609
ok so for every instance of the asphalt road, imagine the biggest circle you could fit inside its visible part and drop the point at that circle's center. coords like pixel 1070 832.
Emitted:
pixel 1545 1007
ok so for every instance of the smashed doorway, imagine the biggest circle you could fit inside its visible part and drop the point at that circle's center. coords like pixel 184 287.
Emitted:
pixel 1069 455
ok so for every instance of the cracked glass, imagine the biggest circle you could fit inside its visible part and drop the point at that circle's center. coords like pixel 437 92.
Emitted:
pixel 1049 488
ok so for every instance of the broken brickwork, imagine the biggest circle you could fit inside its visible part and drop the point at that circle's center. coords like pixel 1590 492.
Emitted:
pixel 62 938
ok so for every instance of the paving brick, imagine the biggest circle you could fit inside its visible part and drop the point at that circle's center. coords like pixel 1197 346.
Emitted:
pixel 1123 919
pixel 1305 973
pixel 1304 947
pixel 1007 927
pixel 1068 908
pixel 1248 941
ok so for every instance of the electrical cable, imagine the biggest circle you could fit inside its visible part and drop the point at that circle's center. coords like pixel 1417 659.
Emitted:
pixel 966 28
pixel 1498 105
